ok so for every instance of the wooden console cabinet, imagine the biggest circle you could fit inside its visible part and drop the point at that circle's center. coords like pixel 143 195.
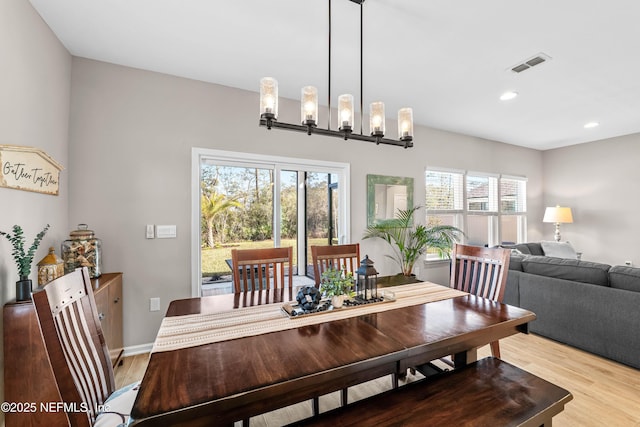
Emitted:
pixel 27 373
pixel 108 295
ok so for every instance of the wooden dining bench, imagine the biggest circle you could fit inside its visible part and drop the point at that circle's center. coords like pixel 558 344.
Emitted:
pixel 489 392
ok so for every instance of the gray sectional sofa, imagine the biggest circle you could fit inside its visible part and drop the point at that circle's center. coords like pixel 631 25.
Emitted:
pixel 588 305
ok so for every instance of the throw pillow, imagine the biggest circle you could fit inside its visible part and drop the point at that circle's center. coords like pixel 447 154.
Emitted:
pixel 559 249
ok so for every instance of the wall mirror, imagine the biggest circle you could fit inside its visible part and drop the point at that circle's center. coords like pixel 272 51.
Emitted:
pixel 387 194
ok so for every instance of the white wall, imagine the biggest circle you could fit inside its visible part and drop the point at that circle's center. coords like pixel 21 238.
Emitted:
pixel 599 182
pixel 34 111
pixel 131 137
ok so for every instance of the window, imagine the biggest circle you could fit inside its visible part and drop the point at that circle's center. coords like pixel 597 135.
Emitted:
pixel 481 197
pixel 489 208
pixel 445 198
pixel 513 210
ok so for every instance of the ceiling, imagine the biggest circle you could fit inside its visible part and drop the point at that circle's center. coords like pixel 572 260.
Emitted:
pixel 449 60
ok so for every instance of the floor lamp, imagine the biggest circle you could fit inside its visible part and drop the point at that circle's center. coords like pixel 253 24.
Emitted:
pixel 558 215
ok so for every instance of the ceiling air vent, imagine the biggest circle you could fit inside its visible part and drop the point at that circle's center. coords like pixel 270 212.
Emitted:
pixel 531 62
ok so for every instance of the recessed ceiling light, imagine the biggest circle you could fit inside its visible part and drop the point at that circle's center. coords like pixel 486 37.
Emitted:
pixel 591 125
pixel 508 95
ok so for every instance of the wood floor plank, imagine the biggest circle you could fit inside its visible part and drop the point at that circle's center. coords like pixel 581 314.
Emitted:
pixel 604 392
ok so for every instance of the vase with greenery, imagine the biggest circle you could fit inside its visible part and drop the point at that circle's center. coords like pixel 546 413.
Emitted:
pixel 337 284
pixel 23 259
pixel 409 241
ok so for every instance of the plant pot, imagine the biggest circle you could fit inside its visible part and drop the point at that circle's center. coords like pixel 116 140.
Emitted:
pixel 337 301
pixel 23 289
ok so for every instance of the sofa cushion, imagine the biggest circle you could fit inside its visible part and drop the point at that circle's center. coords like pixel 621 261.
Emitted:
pixel 623 277
pixel 567 269
pixel 526 248
pixel 533 248
pixel 515 261
pixel 558 249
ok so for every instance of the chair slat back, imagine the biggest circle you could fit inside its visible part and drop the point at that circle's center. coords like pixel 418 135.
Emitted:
pixel 334 256
pixel 480 271
pixel 267 268
pixel 75 344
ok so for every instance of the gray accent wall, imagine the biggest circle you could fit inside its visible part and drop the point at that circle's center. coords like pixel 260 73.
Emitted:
pixel 35 83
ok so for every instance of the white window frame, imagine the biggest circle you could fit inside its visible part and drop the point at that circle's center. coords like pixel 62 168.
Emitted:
pixel 277 163
pixel 459 214
pixel 521 215
pixel 493 225
pixel 494 215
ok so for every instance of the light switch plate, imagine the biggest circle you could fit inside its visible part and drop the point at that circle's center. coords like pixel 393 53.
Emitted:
pixel 151 233
pixel 165 231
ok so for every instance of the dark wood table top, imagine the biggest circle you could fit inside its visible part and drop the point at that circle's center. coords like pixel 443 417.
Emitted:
pixel 232 380
pixel 227 302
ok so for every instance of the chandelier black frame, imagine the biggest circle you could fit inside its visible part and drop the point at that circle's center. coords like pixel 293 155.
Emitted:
pixel 309 109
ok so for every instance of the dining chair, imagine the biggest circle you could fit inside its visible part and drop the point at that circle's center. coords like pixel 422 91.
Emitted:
pixel 266 268
pixel 337 257
pixel 74 341
pixel 334 256
pixel 480 271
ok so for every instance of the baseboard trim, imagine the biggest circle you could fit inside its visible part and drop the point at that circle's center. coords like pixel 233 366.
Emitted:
pixel 138 349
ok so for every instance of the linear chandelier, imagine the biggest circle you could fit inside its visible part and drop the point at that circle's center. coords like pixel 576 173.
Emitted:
pixel 346 112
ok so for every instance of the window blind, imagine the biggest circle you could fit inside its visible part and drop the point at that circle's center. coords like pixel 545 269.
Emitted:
pixel 444 190
pixel 513 195
pixel 482 193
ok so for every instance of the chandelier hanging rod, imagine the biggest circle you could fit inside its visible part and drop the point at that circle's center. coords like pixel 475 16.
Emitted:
pixel 309 108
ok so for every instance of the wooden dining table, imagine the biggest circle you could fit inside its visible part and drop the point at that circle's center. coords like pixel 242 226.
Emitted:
pixel 217 383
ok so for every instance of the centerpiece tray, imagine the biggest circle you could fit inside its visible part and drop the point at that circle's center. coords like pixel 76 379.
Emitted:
pixel 293 309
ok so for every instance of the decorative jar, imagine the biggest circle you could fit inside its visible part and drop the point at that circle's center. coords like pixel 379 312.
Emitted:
pixel 50 267
pixel 83 249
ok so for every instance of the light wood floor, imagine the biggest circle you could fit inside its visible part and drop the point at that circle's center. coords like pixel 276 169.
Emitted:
pixel 605 393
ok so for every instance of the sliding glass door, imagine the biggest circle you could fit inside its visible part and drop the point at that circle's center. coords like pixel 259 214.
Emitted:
pixel 259 201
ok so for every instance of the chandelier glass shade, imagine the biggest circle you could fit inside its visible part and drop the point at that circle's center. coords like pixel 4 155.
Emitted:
pixel 345 112
pixel 309 106
pixel 269 98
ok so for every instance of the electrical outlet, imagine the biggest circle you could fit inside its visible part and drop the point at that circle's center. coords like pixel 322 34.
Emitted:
pixel 628 263
pixel 154 304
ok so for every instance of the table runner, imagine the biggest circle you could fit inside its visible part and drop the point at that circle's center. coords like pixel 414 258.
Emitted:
pixel 198 329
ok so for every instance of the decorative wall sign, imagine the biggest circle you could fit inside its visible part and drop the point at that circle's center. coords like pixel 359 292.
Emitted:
pixel 28 169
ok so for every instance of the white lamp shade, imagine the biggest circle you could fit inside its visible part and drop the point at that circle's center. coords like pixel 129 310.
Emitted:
pixel 558 215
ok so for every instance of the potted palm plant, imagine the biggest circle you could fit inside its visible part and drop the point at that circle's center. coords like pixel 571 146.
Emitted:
pixel 337 284
pixel 409 241
pixel 23 259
